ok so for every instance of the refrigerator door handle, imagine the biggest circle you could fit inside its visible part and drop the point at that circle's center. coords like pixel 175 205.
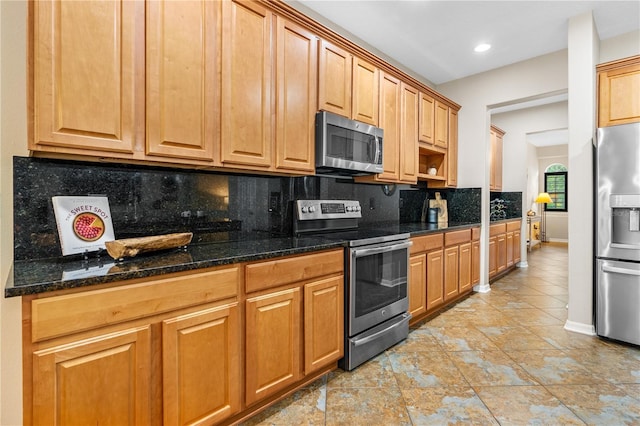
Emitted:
pixel 606 268
pixel 625 246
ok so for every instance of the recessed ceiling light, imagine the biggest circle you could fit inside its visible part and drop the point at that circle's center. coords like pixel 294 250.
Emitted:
pixel 483 47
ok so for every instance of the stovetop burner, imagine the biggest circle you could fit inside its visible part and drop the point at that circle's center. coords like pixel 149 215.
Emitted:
pixel 337 220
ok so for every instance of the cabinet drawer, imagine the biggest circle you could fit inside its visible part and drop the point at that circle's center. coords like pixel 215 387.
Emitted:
pixel 513 226
pixel 67 314
pixel 475 234
pixel 457 237
pixel 426 243
pixel 499 228
pixel 287 270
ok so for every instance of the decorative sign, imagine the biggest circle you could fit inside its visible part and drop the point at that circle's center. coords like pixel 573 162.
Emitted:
pixel 84 223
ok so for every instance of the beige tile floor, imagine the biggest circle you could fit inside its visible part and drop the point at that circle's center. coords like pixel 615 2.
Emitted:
pixel 497 358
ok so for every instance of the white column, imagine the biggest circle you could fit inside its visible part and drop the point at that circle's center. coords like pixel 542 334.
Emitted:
pixel 583 57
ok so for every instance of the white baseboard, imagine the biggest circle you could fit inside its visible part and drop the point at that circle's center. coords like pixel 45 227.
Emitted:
pixel 558 240
pixel 482 288
pixel 578 327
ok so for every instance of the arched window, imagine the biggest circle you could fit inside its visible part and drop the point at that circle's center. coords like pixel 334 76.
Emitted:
pixel 555 184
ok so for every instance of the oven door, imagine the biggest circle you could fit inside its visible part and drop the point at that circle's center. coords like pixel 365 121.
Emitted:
pixel 378 284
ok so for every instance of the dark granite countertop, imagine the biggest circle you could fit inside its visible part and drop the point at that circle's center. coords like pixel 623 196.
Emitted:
pixel 44 275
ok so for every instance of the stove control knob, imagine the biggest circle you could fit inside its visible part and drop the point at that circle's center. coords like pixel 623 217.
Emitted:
pixel 349 208
pixel 356 209
pixel 312 209
pixel 303 209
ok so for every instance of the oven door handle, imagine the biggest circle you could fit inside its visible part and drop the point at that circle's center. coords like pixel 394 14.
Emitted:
pixel 365 340
pixel 379 250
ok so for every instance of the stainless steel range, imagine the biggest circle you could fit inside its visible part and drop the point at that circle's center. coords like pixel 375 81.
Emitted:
pixel 376 262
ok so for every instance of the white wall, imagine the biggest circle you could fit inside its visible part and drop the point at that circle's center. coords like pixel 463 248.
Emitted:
pixel 544 75
pixel 13 137
pixel 620 47
pixel 517 124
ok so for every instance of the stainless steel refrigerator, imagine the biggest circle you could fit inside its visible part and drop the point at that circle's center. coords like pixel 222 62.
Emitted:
pixel 617 232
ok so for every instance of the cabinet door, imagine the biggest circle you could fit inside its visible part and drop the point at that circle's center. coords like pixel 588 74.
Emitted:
pixel 435 279
pixel 87 59
pixel 182 79
pixel 417 284
pixel 409 135
pixel 441 116
pixel 517 251
pixel 451 273
pixel 334 79
pixel 475 262
pixel 465 262
pixel 365 92
pixel 296 69
pixel 493 256
pixel 452 150
pixel 272 343
pixel 323 323
pixel 246 84
pixel 501 244
pixel 201 366
pixel 100 380
pixel 498 163
pixel 509 245
pixel 390 121
pixel 618 90
pixel 427 122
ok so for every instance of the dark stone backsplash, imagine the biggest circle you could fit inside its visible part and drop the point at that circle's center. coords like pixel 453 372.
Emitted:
pixel 215 206
pixel 505 205
pixel 463 204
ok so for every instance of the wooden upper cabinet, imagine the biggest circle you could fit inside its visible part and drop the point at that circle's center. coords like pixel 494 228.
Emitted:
pixel 334 79
pixel 441 135
pixel 87 57
pixel 365 92
pixel 495 167
pixel 246 84
pixel 182 79
pixel 427 119
pixel 409 134
pixel 452 149
pixel 296 87
pixel 618 89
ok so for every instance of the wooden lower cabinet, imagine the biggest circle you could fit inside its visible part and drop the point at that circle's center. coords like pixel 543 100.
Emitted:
pixel 201 356
pixel 104 379
pixel 176 350
pixel 417 284
pixel 435 279
pixel 504 247
pixel 273 335
pixel 464 262
pixel 441 270
pixel 323 323
pixel 501 249
pixel 451 273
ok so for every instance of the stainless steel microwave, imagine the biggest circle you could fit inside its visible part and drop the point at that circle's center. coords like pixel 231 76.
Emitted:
pixel 347 147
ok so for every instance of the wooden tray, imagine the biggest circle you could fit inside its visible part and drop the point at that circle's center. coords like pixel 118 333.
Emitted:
pixel 131 247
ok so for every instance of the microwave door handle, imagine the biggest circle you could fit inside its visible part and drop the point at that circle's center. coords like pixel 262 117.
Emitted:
pixel 378 150
pixel 624 271
pixel 379 250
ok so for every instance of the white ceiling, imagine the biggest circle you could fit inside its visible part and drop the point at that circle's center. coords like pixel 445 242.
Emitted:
pixel 435 39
